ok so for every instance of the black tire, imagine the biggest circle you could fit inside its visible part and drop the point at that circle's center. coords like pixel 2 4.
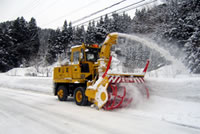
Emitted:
pixel 89 103
pixel 62 93
pixel 79 96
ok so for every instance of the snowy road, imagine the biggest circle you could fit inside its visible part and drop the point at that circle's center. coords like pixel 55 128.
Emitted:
pixel 23 112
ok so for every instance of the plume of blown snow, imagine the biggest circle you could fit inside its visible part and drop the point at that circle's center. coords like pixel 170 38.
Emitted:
pixel 177 65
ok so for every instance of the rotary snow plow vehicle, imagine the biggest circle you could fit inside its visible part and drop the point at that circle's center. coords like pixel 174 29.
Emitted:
pixel 89 80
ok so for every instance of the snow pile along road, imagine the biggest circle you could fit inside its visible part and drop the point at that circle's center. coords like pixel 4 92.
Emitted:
pixel 36 84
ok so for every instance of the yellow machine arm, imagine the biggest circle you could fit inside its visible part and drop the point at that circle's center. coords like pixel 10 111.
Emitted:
pixel 110 40
pixel 97 93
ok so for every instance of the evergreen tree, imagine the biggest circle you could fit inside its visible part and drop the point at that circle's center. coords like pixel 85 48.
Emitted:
pixel 8 58
pixel 33 42
pixel 79 35
pixel 20 48
pixel 100 23
pixel 100 34
pixel 114 26
pixel 101 31
pixel 65 26
pixel 123 23
pixel 90 33
pixel 4 53
pixel 192 48
pixel 55 46
pixel 44 36
pixel 107 24
pixel 65 38
pixel 70 33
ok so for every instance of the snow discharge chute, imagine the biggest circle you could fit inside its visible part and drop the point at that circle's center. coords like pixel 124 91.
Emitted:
pixel 107 92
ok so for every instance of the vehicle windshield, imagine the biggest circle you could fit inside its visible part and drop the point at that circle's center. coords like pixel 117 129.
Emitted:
pixel 92 54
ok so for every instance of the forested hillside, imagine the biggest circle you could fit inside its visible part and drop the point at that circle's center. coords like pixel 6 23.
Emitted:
pixel 175 23
pixel 19 43
pixel 178 23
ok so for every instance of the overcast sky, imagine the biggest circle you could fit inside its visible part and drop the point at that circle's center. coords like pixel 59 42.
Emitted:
pixel 52 13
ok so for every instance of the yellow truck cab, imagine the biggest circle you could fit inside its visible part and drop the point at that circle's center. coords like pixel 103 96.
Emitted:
pixel 72 78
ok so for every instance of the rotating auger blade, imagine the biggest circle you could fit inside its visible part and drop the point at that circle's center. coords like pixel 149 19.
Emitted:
pixel 118 96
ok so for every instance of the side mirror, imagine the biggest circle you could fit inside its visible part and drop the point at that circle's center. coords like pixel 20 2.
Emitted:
pixel 81 56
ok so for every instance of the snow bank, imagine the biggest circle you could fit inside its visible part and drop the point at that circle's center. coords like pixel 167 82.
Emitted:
pixel 36 84
pixel 182 88
pixel 31 71
pixel 170 71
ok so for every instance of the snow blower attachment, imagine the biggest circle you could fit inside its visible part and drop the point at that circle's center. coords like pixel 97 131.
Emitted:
pixel 117 94
pixel 88 77
pixel 107 92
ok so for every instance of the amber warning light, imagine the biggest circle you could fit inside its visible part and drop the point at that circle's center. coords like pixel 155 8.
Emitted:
pixel 95 45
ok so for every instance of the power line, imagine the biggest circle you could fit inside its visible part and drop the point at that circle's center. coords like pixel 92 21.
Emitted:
pixel 111 12
pixel 33 7
pixel 27 7
pixel 98 11
pixel 72 12
pixel 53 3
pixel 139 6
pixel 118 12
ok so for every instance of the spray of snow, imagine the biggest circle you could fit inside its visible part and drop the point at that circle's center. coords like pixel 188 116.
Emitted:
pixel 177 65
pixel 137 92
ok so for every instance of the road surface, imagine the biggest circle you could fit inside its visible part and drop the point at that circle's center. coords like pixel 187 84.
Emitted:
pixel 27 112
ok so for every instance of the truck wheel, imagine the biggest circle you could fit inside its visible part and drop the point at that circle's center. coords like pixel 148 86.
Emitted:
pixel 62 93
pixel 79 96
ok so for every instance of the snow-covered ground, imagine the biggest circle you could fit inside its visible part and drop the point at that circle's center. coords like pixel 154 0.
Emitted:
pixel 27 105
pixel 37 84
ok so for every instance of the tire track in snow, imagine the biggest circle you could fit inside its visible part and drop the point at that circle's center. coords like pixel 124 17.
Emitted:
pixel 181 124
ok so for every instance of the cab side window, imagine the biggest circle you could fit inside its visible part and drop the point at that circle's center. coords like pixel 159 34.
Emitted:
pixel 76 57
